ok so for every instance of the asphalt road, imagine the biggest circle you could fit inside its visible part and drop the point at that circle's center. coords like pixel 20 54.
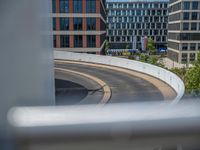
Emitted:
pixel 72 88
pixel 125 87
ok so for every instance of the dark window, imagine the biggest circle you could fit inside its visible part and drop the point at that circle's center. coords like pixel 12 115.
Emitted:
pixel 91 23
pixel 64 6
pixel 91 6
pixel 64 41
pixel 91 41
pixel 192 46
pixel 78 41
pixel 195 5
pixel 78 23
pixel 138 26
pixel 118 39
pixel 186 16
pixel 193 26
pixel 185 26
pixel 192 56
pixel 194 15
pixel 54 6
pixel 54 41
pixel 64 23
pixel 186 5
pixel 184 46
pixel 77 6
pixel 184 58
pixel 54 24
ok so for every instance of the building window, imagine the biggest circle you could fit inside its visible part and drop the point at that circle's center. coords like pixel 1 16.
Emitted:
pixel 64 6
pixel 77 6
pixel 192 46
pixel 194 15
pixel 186 16
pixel 186 5
pixel 91 6
pixel 193 26
pixel 118 39
pixel 54 24
pixel 78 23
pixel 91 23
pixel 54 41
pixel 184 46
pixel 64 41
pixel 119 32
pixel 91 41
pixel 54 6
pixel 185 26
pixel 195 5
pixel 78 41
pixel 192 57
pixel 184 58
pixel 64 23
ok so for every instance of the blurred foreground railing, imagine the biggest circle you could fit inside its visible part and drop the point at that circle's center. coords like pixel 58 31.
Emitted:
pixel 148 126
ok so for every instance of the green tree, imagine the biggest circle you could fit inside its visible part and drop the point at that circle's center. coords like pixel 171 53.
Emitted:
pixel 153 60
pixel 151 46
pixel 144 57
pixel 192 78
pixel 107 47
pixel 127 46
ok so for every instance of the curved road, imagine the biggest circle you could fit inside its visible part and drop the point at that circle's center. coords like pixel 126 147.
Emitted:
pixel 125 87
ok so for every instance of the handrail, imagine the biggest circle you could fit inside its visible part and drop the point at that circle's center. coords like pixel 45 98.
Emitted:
pixel 132 125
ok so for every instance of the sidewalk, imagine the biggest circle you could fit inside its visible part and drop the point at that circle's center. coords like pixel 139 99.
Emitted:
pixel 168 63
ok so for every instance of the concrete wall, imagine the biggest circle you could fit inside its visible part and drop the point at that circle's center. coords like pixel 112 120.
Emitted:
pixel 26 56
pixel 170 78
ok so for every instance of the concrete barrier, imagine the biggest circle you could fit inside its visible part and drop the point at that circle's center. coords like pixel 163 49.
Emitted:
pixel 168 77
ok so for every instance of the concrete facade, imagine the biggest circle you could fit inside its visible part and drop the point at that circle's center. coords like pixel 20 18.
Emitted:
pixel 184 30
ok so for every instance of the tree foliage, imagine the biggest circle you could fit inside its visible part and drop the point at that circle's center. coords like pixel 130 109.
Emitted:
pixel 127 46
pixel 192 78
pixel 151 46
pixel 107 47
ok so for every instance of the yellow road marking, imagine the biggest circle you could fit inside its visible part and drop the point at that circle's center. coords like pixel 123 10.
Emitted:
pixel 106 88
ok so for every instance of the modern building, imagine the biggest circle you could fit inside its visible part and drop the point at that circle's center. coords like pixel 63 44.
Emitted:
pixel 79 25
pixel 184 30
pixel 131 20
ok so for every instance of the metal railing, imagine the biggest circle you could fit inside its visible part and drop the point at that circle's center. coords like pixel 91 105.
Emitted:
pixel 145 126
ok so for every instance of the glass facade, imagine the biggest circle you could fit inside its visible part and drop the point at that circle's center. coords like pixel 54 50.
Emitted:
pixel 77 6
pixel 78 41
pixel 64 23
pixel 91 40
pixel 90 6
pixel 91 23
pixel 126 19
pixel 64 6
pixel 64 41
pixel 78 23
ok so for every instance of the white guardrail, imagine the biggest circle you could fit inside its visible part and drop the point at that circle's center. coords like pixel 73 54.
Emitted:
pixel 168 77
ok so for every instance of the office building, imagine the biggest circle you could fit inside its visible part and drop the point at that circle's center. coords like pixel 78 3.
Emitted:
pixel 79 25
pixel 135 19
pixel 184 30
